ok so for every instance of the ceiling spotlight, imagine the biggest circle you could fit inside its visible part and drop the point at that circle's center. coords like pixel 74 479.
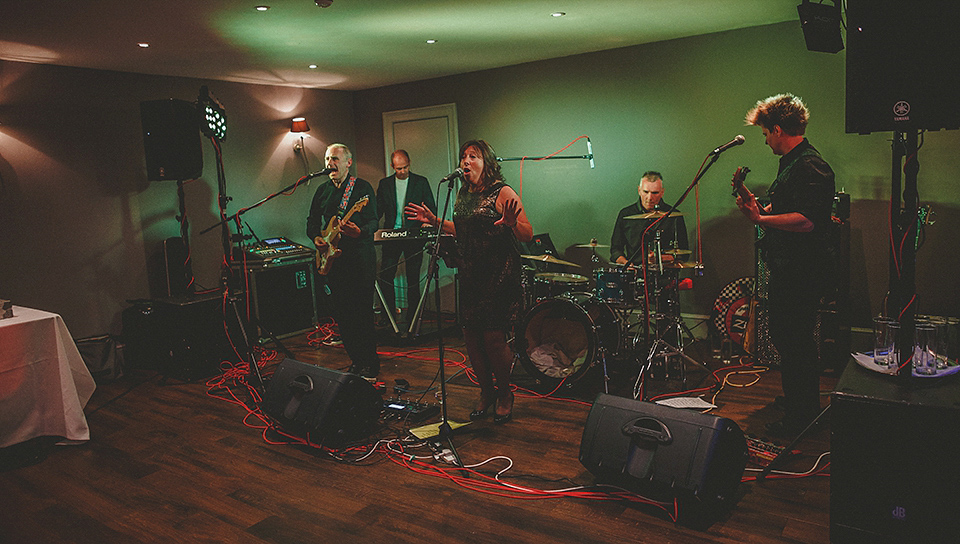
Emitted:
pixel 262 8
pixel 557 14
pixel 312 67
pixel 144 45
pixel 431 41
pixel 324 3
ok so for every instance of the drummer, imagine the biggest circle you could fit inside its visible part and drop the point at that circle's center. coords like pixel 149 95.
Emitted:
pixel 628 230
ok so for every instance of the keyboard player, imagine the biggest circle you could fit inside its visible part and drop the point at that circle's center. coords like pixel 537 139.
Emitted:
pixel 393 194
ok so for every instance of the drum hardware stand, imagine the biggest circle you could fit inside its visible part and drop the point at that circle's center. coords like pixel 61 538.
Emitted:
pixel 445 431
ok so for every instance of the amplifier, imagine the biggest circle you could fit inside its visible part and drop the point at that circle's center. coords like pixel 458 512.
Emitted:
pixel 281 295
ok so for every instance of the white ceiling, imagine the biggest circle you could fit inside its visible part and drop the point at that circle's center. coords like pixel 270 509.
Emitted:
pixel 356 44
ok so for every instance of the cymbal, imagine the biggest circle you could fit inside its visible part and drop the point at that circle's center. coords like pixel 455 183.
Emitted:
pixel 549 259
pixel 676 264
pixel 678 252
pixel 591 244
pixel 653 215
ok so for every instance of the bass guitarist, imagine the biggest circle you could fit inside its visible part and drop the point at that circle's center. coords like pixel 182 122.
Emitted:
pixel 795 248
pixel 349 286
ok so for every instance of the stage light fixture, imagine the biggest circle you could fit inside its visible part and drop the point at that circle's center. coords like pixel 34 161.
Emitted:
pixel 821 26
pixel 214 116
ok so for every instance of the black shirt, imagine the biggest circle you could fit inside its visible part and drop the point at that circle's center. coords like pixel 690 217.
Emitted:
pixel 627 232
pixel 804 184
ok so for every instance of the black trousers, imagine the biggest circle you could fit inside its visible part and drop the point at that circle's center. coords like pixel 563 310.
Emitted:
pixel 391 252
pixel 793 295
pixel 351 294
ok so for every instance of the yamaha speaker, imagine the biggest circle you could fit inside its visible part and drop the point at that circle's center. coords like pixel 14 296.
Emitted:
pixel 894 475
pixel 171 139
pixel 326 407
pixel 901 65
pixel 665 453
pixel 282 298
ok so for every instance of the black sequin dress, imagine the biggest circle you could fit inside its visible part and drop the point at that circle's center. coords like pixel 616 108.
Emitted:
pixel 490 291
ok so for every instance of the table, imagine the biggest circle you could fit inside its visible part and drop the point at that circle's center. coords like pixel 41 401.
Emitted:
pixel 44 383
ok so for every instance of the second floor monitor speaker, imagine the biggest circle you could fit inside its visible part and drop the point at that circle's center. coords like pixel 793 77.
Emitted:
pixel 171 139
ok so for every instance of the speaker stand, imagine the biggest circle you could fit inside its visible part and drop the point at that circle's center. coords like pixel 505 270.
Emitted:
pixel 786 451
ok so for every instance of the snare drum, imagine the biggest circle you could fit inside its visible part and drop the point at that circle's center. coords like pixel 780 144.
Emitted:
pixel 552 284
pixel 617 286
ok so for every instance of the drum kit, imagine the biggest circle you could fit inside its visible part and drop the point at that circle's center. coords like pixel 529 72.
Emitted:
pixel 572 322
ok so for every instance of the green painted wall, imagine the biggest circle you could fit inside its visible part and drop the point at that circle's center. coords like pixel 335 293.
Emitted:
pixel 664 106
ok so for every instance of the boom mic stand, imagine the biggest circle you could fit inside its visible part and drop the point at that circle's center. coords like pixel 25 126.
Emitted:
pixel 713 156
pixel 225 284
pixel 445 432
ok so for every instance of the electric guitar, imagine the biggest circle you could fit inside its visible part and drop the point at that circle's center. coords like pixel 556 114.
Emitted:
pixel 750 332
pixel 331 235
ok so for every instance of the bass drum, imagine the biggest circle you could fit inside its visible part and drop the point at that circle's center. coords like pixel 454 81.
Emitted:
pixel 561 337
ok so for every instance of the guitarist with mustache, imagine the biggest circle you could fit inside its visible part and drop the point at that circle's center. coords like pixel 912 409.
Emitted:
pixel 796 249
pixel 351 274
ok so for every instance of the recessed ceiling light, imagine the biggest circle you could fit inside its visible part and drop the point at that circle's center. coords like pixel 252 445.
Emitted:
pixel 262 8
pixel 557 14
pixel 312 67
pixel 143 45
pixel 431 41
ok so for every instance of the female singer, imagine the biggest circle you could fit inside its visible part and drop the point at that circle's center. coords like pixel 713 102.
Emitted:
pixel 488 220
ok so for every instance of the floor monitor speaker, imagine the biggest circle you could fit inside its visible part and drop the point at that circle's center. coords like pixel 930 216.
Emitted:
pixel 325 406
pixel 664 452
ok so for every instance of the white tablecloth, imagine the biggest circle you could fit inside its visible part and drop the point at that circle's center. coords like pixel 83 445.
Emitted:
pixel 44 383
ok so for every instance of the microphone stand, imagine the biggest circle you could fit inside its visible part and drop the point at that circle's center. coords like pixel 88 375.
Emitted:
pixel 445 432
pixel 642 251
pixel 224 223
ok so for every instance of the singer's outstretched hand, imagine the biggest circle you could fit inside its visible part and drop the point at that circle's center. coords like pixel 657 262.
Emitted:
pixel 421 213
pixel 511 211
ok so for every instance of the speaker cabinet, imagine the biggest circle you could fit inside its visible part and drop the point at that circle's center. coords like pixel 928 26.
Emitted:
pixel 180 337
pixel 894 475
pixel 171 139
pixel 325 406
pixel 664 452
pixel 282 299
pixel 901 65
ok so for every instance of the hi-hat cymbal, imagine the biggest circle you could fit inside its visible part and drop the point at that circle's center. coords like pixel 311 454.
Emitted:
pixel 549 259
pixel 678 252
pixel 653 215
pixel 592 244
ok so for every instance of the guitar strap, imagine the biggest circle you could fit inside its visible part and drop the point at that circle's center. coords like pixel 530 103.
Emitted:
pixel 346 197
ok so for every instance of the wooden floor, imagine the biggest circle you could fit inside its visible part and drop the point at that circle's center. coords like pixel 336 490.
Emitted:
pixel 168 462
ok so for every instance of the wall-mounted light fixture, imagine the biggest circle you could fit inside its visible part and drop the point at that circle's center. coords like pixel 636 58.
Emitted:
pixel 298 125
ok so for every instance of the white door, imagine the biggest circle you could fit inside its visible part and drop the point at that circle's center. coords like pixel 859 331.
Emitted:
pixel 430 137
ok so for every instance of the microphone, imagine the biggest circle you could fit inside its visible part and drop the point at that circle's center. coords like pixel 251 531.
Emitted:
pixel 323 172
pixel 736 141
pixel 590 152
pixel 458 173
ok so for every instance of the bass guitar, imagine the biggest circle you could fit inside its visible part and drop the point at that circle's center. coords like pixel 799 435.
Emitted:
pixel 750 331
pixel 331 236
